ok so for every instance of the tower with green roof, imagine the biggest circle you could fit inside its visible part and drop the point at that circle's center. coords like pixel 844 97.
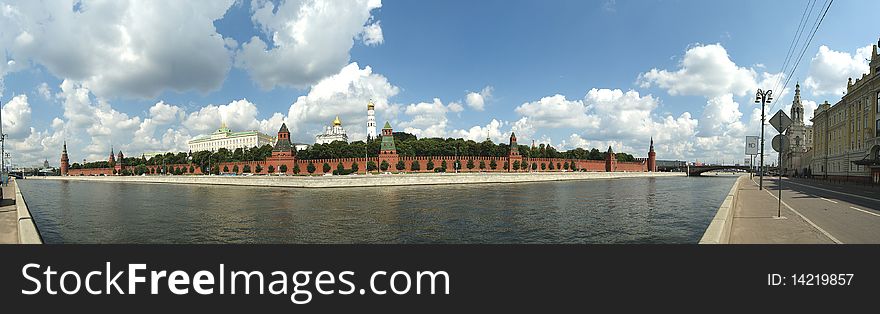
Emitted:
pixel 387 150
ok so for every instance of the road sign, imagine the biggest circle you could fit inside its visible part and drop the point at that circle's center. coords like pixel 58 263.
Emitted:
pixel 780 141
pixel 780 121
pixel 751 145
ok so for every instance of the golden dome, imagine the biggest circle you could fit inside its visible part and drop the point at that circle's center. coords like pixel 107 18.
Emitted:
pixel 337 122
pixel 370 105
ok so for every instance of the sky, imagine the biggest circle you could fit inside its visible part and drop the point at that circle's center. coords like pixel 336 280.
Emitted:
pixel 146 76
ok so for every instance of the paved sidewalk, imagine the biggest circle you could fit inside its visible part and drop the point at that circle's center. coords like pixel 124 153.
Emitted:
pixel 755 221
pixel 8 217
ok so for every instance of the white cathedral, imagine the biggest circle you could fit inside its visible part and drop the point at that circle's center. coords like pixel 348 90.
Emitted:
pixel 332 133
pixel 800 138
pixel 335 132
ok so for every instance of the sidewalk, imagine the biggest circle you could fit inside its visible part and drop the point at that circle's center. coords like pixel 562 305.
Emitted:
pixel 8 217
pixel 755 221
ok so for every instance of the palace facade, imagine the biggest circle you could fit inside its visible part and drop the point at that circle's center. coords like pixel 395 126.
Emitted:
pixel 225 138
pixel 846 135
pixel 284 160
pixel 332 133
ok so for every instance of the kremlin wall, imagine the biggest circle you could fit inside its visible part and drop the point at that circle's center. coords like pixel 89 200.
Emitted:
pixel 284 158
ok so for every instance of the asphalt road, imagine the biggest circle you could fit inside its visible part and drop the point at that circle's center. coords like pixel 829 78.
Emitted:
pixel 851 215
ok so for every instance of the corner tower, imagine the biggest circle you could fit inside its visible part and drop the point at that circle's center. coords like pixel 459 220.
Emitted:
pixel 610 160
pixel 65 162
pixel 652 158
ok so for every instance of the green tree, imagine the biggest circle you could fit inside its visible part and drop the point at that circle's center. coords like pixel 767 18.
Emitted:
pixel 235 169
pixel 534 166
pixel 225 168
pixel 310 168
pixel 558 166
pixel 400 165
pixel 470 164
pixel 340 168
pixel 543 166
pixel 178 171
pixel 355 167
pixel 483 165
pixel 282 168
pixel 384 165
pixel 443 165
pixel 573 166
pixel 516 165
pixel 247 169
pixel 430 165
pixel 192 169
pixel 415 166
pixel 493 164
pixel 506 165
pixel 550 166
pixel 258 168
pixel 565 166
pixel 296 169
pixel 114 171
pixel 371 166
pixel 326 167
pixel 216 170
pixel 271 168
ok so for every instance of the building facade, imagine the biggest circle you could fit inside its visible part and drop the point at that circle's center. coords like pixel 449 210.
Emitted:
pixel 794 157
pixel 846 135
pixel 225 138
pixel 332 133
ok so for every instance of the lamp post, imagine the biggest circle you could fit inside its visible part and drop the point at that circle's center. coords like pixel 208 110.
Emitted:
pixel 763 98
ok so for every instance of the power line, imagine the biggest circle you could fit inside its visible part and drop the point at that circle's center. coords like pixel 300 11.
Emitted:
pixel 805 47
pixel 792 47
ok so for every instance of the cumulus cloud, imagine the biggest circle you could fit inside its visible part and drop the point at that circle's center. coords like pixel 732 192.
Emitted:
pixel 428 119
pixel 556 112
pixel 477 101
pixel 705 70
pixel 492 131
pixel 120 48
pixel 345 94
pixel 830 70
pixel 17 117
pixel 307 40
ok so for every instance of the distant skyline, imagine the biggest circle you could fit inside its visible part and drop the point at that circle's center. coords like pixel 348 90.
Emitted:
pixel 146 76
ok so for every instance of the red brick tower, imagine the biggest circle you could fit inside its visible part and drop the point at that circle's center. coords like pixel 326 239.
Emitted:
pixel 610 161
pixel 652 158
pixel 283 153
pixel 65 163
pixel 513 155
pixel 120 161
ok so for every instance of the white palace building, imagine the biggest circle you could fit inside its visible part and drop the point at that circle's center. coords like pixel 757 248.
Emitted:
pixel 332 133
pixel 225 138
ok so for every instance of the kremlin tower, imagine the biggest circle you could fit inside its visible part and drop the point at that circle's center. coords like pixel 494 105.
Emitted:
pixel 652 158
pixel 65 163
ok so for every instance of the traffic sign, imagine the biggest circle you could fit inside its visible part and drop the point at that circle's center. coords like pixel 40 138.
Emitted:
pixel 751 145
pixel 780 141
pixel 780 121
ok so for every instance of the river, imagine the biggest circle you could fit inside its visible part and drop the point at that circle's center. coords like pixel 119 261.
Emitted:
pixel 632 210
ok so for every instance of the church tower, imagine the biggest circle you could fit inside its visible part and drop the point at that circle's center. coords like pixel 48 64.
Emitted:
pixel 371 121
pixel 65 163
pixel 796 133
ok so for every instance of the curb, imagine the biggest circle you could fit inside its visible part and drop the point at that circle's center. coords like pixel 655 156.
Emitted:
pixel 718 231
pixel 27 230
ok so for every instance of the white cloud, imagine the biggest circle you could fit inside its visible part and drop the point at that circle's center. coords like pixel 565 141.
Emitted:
pixel 308 40
pixel 492 130
pixel 345 94
pixel 705 70
pixel 477 101
pixel 121 48
pixel 43 90
pixel 556 112
pixel 372 35
pixel 17 117
pixel 829 70
pixel 428 119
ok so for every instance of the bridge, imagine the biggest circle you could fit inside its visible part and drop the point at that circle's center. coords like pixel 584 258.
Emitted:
pixel 697 170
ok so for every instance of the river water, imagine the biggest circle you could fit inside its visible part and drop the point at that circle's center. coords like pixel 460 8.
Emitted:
pixel 631 210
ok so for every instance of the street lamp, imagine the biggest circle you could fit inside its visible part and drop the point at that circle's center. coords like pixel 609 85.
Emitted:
pixel 763 98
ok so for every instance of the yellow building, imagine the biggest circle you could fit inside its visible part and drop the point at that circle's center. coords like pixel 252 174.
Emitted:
pixel 846 135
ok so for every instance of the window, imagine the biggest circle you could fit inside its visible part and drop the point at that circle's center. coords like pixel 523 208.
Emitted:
pixel 877 128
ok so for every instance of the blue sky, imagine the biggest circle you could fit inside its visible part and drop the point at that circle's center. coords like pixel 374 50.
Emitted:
pixel 569 73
